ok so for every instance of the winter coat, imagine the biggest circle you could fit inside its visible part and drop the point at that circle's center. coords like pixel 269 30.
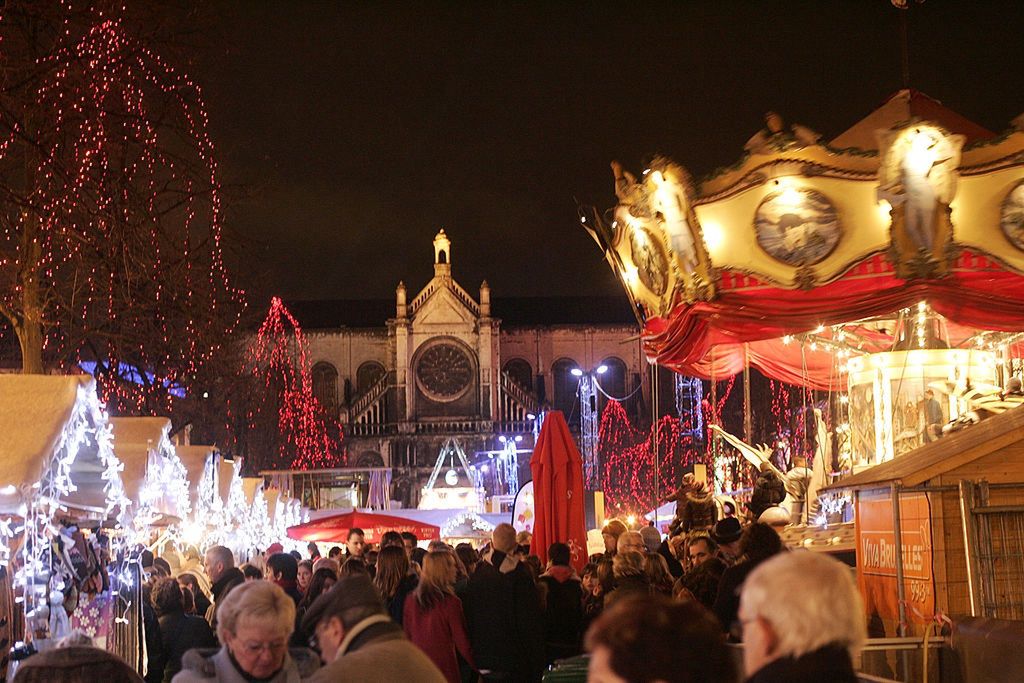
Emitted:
pixel 675 568
pixel 727 602
pixel 216 665
pixel 702 581
pixel 376 651
pixel 440 631
pixel 696 511
pixel 504 617
pixel 562 598
pixel 769 490
pixel 219 590
pixel 395 605
pixel 182 632
pixel 830 663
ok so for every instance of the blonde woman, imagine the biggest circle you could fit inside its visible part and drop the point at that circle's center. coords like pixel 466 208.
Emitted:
pixel 433 617
pixel 254 622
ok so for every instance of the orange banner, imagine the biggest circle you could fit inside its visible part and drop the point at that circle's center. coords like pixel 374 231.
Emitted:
pixel 876 556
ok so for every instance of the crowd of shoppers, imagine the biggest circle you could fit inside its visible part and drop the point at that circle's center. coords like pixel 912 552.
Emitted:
pixel 646 609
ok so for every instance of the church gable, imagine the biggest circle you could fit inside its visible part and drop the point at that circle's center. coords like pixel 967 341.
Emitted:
pixel 443 307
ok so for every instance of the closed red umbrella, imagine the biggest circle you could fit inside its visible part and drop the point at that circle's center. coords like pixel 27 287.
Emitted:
pixel 558 491
pixel 334 529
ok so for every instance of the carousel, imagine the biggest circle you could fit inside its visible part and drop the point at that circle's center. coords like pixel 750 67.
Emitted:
pixel 883 271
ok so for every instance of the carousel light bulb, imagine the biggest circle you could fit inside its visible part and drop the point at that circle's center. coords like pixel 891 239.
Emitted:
pixel 601 369
pixel 576 372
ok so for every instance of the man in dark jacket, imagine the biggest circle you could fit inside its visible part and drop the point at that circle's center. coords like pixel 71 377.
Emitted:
pixel 180 632
pixel 562 597
pixel 219 564
pixel 503 613
pixel 813 638
pixel 759 543
pixel 283 570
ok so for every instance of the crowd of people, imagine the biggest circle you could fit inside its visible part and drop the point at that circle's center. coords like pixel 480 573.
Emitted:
pixel 646 609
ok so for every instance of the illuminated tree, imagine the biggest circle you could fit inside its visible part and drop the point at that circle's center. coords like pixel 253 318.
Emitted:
pixel 111 224
pixel 284 425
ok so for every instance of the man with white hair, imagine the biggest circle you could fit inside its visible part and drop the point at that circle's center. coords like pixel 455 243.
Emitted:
pixel 813 638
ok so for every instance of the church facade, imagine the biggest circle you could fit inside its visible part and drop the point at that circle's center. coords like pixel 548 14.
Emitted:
pixel 446 364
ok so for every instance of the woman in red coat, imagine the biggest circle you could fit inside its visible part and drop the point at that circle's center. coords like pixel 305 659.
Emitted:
pixel 433 617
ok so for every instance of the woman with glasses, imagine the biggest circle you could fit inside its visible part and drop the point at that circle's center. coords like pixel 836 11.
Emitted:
pixel 254 623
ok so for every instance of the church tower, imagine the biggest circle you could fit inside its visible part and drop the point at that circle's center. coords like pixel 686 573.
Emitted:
pixel 442 255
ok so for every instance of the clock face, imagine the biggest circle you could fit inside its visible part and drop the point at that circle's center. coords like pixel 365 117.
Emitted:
pixel 444 372
pixel 651 262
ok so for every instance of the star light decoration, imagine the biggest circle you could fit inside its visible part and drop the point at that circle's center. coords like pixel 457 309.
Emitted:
pixel 307 436
pixel 114 241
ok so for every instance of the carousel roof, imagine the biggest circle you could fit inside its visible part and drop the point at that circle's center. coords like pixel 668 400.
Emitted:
pixel 907 105
pixel 801 235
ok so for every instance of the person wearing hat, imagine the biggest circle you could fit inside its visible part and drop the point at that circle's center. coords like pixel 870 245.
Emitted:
pixel 726 533
pixel 695 506
pixel 358 641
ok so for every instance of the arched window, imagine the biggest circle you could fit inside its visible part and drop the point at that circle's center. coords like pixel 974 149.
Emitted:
pixel 442 256
pixel 325 385
pixel 565 386
pixel 520 372
pixel 367 375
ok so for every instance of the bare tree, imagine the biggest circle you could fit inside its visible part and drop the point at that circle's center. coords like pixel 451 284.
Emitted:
pixel 110 205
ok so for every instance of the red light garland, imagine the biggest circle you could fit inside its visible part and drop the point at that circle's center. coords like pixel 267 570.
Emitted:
pixel 628 457
pixel 115 247
pixel 307 437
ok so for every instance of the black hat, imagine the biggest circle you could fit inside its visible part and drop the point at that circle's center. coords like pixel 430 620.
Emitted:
pixel 726 530
pixel 349 592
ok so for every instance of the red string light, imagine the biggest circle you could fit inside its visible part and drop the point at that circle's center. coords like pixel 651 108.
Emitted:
pixel 118 196
pixel 628 457
pixel 307 437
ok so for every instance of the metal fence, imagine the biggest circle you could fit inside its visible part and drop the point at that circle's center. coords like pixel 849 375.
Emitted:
pixel 994 535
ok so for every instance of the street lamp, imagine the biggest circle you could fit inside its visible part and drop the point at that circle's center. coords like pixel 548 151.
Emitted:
pixel 589 424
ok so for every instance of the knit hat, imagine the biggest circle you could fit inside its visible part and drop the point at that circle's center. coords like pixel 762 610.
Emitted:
pixel 351 591
pixel 726 530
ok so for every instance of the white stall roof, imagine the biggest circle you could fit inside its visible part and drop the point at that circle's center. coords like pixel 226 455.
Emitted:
pixel 35 412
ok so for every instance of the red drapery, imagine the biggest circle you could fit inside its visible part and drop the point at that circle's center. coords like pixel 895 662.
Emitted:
pixel 707 338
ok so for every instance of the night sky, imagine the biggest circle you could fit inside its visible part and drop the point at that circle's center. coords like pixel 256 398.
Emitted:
pixel 351 132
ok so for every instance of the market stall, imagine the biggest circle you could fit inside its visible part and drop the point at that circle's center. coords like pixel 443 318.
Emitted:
pixel 60 480
pixel 155 479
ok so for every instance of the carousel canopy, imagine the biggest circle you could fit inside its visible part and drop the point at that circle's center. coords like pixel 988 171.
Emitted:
pixel 47 422
pixel 914 206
